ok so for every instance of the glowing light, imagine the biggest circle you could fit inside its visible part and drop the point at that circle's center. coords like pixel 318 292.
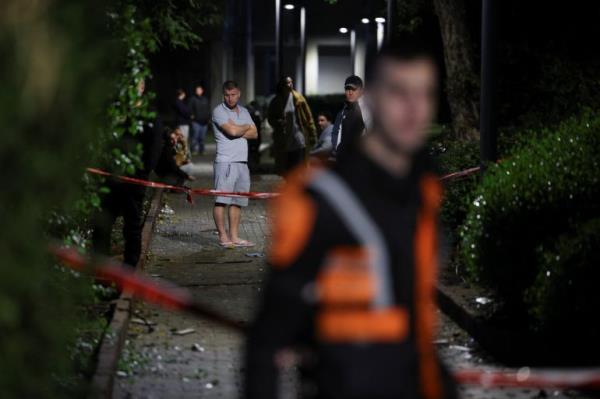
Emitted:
pixel 343 30
pixel 365 20
pixel 380 20
pixel 289 6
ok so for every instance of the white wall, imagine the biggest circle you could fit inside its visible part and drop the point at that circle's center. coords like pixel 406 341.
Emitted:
pixel 361 58
pixel 326 74
pixel 333 70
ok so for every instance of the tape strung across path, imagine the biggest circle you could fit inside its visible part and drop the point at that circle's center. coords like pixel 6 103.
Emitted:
pixel 173 297
pixel 191 192
pixel 462 173
pixel 165 295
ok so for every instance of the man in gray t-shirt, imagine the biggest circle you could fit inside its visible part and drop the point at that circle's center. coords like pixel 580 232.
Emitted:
pixel 232 125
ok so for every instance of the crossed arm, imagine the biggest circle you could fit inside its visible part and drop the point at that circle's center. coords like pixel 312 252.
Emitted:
pixel 246 131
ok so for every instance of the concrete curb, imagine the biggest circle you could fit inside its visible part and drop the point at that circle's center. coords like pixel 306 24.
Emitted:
pixel 500 342
pixel 114 337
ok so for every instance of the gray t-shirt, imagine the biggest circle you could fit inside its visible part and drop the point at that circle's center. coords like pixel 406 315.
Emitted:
pixel 295 137
pixel 230 149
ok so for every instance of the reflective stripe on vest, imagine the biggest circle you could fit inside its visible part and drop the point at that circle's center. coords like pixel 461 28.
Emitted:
pixel 353 214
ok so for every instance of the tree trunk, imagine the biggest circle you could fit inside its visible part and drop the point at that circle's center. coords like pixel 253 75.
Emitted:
pixel 462 82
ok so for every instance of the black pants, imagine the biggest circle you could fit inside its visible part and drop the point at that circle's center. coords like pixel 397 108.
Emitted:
pixel 125 200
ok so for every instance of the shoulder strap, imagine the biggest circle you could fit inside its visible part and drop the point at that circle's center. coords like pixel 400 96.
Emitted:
pixel 353 214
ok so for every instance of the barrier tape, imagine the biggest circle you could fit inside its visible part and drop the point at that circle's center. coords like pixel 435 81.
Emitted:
pixel 461 174
pixel 583 379
pixel 189 192
pixel 172 297
pixel 165 295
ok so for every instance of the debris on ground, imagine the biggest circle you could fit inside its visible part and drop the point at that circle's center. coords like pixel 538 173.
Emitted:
pixel 255 255
pixel 483 300
pixel 197 348
pixel 185 331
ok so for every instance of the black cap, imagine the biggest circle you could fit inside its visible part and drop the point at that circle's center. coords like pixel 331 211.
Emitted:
pixel 353 82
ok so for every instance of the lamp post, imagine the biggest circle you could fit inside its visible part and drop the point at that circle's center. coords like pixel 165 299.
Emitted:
pixel 278 41
pixel 391 17
pixel 303 48
pixel 488 128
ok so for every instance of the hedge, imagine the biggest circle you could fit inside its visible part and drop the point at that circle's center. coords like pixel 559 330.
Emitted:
pixel 525 210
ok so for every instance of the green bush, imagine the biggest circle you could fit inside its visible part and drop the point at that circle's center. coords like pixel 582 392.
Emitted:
pixel 547 188
pixel 564 296
pixel 454 155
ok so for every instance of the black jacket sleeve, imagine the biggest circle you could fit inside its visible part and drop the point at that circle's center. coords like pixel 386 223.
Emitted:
pixel 152 144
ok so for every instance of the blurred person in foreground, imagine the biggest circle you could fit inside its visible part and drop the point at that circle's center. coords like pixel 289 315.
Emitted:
pixel 233 127
pixel 294 131
pixel 355 254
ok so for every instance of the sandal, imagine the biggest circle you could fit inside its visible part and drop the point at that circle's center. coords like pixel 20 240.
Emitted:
pixel 226 244
pixel 243 244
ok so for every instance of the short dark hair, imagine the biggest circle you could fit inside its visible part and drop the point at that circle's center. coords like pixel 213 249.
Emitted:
pixel 230 85
pixel 179 92
pixel 406 50
pixel 326 114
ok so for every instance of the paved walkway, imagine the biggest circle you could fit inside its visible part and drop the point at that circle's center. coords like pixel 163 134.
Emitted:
pixel 163 360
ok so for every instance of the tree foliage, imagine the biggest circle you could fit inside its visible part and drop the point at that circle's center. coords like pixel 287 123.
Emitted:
pixel 69 73
pixel 55 71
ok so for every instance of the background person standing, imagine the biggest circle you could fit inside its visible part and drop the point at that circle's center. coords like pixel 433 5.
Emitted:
pixel 350 121
pixel 232 126
pixel 294 131
pixel 200 112
pixel 183 116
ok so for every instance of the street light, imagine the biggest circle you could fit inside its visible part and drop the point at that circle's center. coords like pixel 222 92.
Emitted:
pixel 289 6
pixel 365 20
pixel 343 30
pixel 380 20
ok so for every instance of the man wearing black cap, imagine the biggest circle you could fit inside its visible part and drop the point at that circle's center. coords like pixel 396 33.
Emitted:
pixel 350 122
